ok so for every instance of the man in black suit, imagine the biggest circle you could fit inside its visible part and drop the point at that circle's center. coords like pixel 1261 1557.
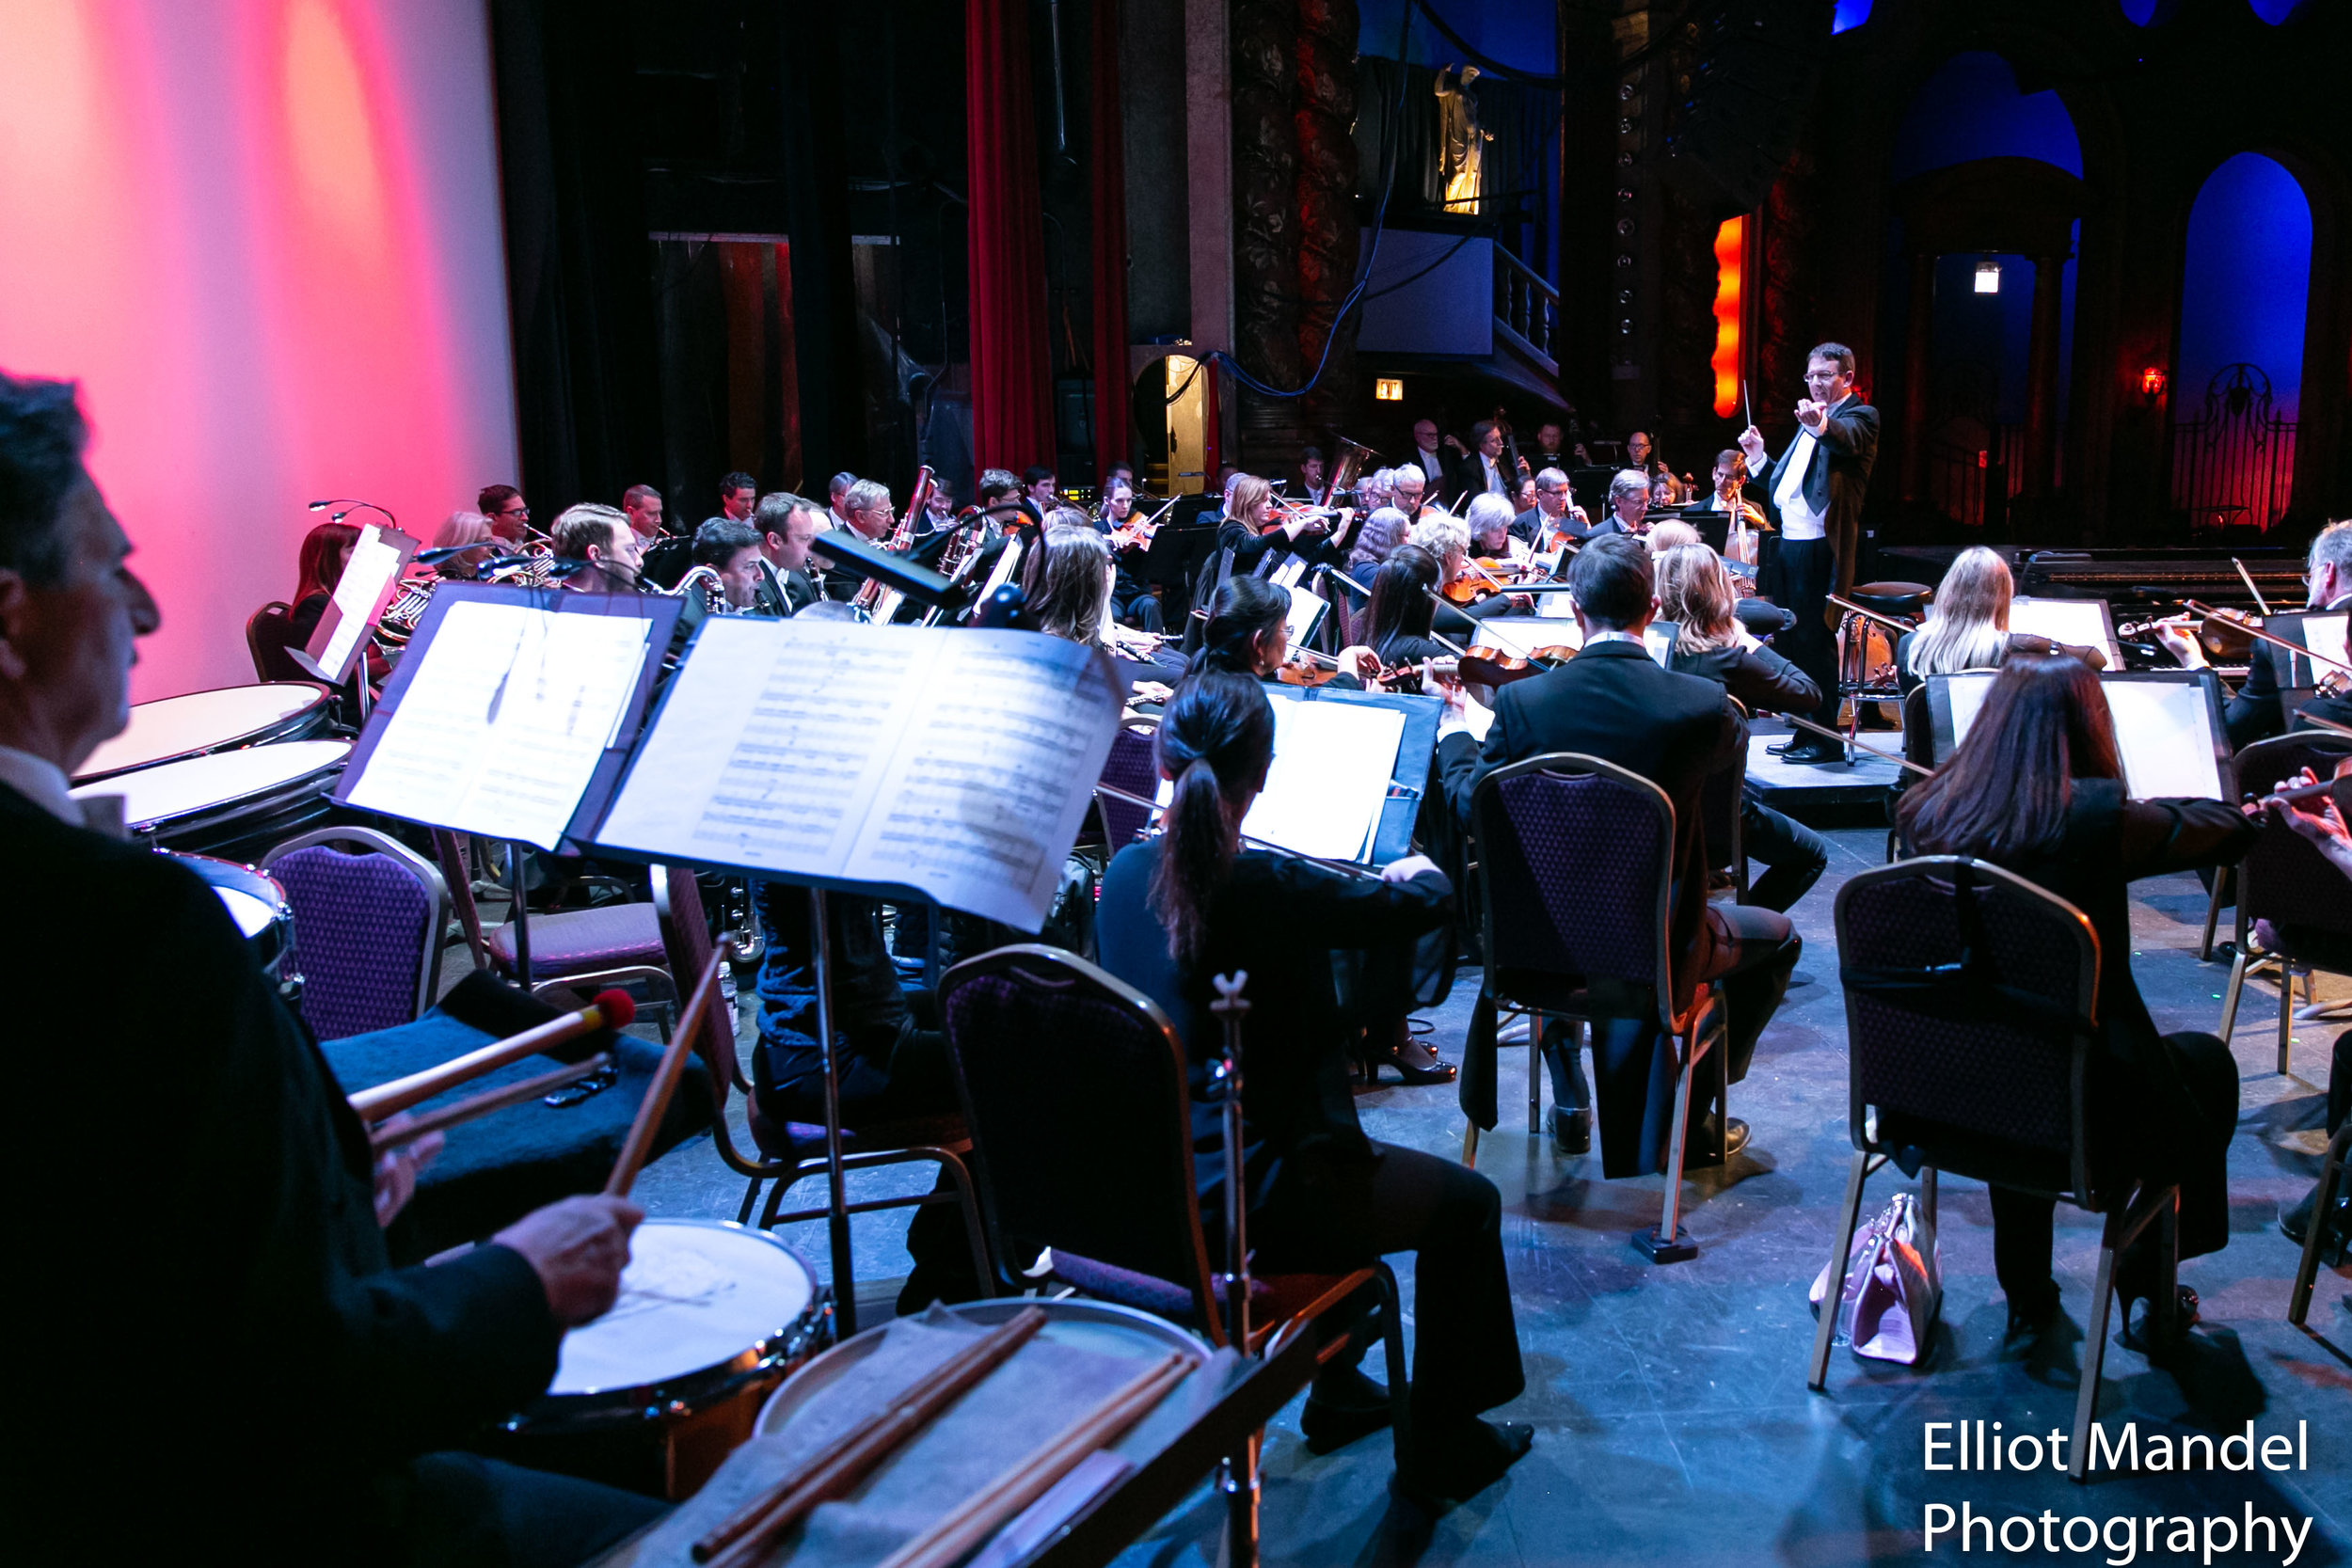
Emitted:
pixel 1612 702
pixel 1816 488
pixel 2260 708
pixel 787 523
pixel 1552 512
pixel 307 1385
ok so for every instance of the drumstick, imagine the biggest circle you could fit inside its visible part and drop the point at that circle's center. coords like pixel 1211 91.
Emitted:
pixel 492 1099
pixel 752 1530
pixel 612 1009
pixel 982 1514
pixel 1859 745
pixel 649 1110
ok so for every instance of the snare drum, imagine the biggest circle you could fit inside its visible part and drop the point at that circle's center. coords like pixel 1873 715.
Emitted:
pixel 207 721
pixel 234 804
pixel 655 1393
pixel 258 906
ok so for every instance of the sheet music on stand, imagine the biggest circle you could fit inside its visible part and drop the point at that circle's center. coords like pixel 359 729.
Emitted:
pixel 511 708
pixel 958 764
pixel 2168 728
pixel 369 580
pixel 2077 622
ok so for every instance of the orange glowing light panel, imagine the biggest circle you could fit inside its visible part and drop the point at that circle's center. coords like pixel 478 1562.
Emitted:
pixel 1730 247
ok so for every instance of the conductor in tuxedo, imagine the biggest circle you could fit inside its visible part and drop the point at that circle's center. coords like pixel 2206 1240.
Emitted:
pixel 1817 487
pixel 309 1391
pixel 1614 702
pixel 787 523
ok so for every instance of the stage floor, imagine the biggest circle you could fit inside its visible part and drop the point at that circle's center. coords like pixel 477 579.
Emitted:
pixel 1672 1421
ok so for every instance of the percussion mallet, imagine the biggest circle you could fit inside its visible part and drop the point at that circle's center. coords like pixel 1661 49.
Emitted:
pixel 650 1109
pixel 612 1009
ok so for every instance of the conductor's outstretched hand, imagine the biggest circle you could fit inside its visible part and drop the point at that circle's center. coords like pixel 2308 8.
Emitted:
pixel 1752 442
pixel 579 1246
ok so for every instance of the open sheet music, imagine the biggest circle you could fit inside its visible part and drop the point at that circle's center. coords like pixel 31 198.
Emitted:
pixel 499 716
pixel 957 763
pixel 2168 728
pixel 378 556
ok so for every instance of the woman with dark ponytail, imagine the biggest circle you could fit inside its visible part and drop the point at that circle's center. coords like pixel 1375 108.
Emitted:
pixel 1249 633
pixel 1191 903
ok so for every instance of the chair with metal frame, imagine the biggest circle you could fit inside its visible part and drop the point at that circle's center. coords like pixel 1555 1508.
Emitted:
pixel 1074 1085
pixel 1130 767
pixel 1971 1024
pixel 1575 857
pixel 1891 602
pixel 2331 1173
pixel 2284 881
pixel 1720 800
pixel 368 923
pixel 1918 747
pixel 790 1153
pixel 266 636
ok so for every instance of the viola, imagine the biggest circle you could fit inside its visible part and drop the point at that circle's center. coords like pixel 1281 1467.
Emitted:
pixel 1493 667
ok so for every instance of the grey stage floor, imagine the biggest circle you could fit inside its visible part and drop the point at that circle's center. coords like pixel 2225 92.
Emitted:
pixel 1671 1417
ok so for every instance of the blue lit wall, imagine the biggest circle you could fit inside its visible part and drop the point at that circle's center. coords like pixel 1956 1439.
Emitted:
pixel 2246 281
pixel 1513 32
pixel 1850 13
pixel 1971 108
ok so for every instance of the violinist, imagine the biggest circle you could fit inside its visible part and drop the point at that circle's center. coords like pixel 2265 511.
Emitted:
pixel 1248 632
pixel 1628 504
pixel 1132 600
pixel 1252 532
pixel 1745 524
pixel 1407 486
pixel 1470 592
pixel 1550 515
pixel 1696 592
pixel 1398 624
pixel 1968 626
pixel 2259 710
pixel 1382 532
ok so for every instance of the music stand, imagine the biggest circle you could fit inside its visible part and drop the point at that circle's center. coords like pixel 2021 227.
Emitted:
pixel 369 581
pixel 2168 727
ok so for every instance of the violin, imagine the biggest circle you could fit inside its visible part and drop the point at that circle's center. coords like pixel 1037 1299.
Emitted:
pixel 1493 667
pixel 1481 579
pixel 1306 667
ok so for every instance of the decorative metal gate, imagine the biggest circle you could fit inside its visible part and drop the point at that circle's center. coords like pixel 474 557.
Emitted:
pixel 2233 465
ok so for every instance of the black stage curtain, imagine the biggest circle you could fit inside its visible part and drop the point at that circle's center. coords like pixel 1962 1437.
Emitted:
pixel 586 380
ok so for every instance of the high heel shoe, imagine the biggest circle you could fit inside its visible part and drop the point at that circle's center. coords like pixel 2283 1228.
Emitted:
pixel 1394 1053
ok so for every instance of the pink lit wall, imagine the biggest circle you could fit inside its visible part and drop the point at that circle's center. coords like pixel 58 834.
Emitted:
pixel 265 235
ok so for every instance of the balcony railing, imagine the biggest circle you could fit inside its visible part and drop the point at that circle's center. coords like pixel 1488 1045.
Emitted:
pixel 1528 309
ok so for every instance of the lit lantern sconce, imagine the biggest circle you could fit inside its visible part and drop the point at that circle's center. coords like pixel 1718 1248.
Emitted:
pixel 2152 382
pixel 1988 276
pixel 1388 388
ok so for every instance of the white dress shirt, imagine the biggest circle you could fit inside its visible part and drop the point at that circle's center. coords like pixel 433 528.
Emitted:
pixel 1495 484
pixel 1431 464
pixel 1798 520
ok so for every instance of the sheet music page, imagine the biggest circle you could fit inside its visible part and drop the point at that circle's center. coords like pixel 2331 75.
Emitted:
pixel 2323 634
pixel 367 578
pixel 1557 606
pixel 771 743
pixel 1332 764
pixel 1306 609
pixel 502 724
pixel 993 774
pixel 1967 694
pixel 2081 623
pixel 2164 730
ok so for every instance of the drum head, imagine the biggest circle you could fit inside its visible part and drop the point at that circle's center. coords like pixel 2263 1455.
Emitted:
pixel 254 901
pixel 696 1294
pixel 201 721
pixel 205 783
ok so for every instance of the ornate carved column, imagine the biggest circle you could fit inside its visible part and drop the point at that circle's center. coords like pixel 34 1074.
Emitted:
pixel 1327 229
pixel 1265 216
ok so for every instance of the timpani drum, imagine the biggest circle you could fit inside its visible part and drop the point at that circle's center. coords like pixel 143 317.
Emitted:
pixel 655 1393
pixel 257 904
pixel 233 804
pixel 201 722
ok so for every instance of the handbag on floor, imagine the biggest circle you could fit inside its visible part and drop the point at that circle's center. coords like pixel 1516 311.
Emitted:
pixel 1893 1289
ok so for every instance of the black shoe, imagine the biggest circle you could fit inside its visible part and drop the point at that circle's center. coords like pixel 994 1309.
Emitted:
pixel 2141 1332
pixel 2295 1222
pixel 1414 1075
pixel 1807 752
pixel 1735 1135
pixel 1343 1406
pixel 1456 1463
pixel 1571 1130
pixel 2028 1316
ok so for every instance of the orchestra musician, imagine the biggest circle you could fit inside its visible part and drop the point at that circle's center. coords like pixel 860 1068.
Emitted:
pixel 1434 470
pixel 870 518
pixel 739 494
pixel 319 566
pixel 1612 702
pixel 1066 583
pixel 1251 531
pixel 1490 466
pixel 1696 592
pixel 1383 531
pixel 463 528
pixel 1628 504
pixel 641 504
pixel 1038 483
pixel 837 489
pixel 2259 709
pixel 1552 514
pixel 602 537
pixel 1407 486
pixel 786 524
pixel 1967 628
pixel 312 1391
pixel 2036 788
pixel 1132 600
pixel 1447 540
pixel 1816 488
pixel 1312 487
pixel 1192 903
pixel 1398 624
pixel 509 514
pixel 1744 524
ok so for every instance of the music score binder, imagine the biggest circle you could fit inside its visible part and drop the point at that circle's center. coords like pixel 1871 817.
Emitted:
pixel 512 711
pixel 2168 727
pixel 955 764
pixel 1416 750
pixel 369 580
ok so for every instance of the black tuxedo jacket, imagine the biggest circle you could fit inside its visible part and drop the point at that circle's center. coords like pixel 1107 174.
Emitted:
pixel 2259 710
pixel 192 1178
pixel 1838 477
pixel 1611 701
pixel 783 594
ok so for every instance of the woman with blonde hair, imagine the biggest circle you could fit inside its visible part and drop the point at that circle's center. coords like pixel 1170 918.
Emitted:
pixel 463 528
pixel 1695 593
pixel 1968 626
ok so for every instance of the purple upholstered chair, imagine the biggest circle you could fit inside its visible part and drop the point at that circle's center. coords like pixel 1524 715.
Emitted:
pixel 2284 883
pixel 1970 997
pixel 1074 1087
pixel 1129 767
pixel 1575 857
pixel 368 923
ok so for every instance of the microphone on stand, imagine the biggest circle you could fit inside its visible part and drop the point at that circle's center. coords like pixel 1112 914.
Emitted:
pixel 349 506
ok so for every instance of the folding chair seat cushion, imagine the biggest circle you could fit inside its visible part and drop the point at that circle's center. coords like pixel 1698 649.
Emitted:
pixel 493 1171
pixel 579 940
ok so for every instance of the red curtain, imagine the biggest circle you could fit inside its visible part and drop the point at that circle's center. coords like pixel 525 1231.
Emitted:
pixel 1111 418
pixel 1012 371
